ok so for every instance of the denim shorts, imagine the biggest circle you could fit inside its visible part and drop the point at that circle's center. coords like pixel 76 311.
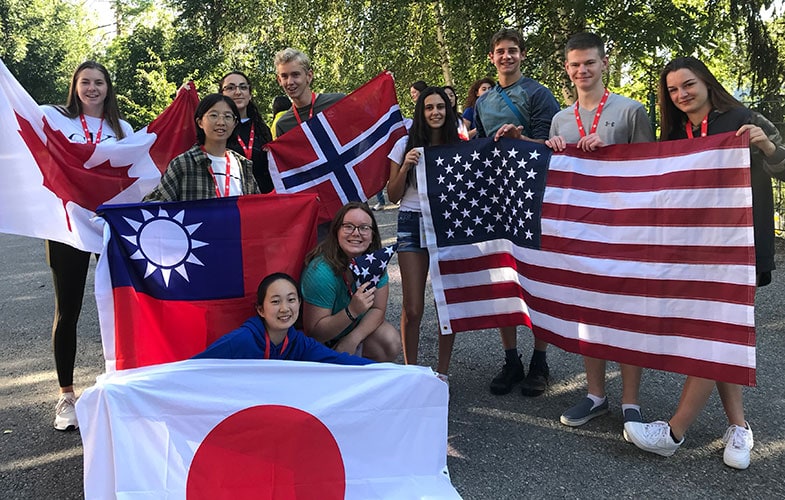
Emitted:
pixel 409 232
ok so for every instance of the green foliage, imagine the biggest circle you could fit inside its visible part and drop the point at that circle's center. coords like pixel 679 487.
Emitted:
pixel 350 41
pixel 43 41
pixel 140 75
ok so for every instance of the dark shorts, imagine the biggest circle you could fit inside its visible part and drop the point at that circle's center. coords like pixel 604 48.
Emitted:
pixel 409 232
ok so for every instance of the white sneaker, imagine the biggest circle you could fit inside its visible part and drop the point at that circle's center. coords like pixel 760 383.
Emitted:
pixel 738 443
pixel 65 413
pixel 654 437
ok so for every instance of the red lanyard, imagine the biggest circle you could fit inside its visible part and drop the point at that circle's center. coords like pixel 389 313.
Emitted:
pixel 247 149
pixel 215 180
pixel 596 115
pixel 267 345
pixel 704 127
pixel 310 115
pixel 87 135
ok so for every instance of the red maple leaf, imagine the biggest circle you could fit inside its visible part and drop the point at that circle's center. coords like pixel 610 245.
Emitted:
pixel 61 163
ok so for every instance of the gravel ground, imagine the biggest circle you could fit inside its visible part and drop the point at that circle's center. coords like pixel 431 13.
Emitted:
pixel 499 446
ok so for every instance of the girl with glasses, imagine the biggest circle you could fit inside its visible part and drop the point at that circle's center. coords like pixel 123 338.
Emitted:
pixel 434 124
pixel 251 133
pixel 336 312
pixel 209 169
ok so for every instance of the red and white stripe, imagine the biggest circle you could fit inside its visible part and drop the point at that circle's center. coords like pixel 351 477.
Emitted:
pixel 647 257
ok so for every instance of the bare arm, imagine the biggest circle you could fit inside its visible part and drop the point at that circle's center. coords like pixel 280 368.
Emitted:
pixel 368 324
pixel 321 324
pixel 396 186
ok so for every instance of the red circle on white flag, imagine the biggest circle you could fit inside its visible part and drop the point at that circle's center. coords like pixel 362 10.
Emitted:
pixel 267 451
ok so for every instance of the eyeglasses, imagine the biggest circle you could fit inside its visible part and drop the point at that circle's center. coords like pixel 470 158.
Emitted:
pixel 227 117
pixel 348 228
pixel 244 87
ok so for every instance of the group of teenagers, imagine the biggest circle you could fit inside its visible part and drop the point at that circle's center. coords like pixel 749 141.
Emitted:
pixel 228 160
pixel 692 104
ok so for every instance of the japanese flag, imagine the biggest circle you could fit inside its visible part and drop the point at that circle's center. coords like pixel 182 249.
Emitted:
pixel 242 429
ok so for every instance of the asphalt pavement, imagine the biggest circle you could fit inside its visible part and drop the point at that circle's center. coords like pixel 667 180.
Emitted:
pixel 500 447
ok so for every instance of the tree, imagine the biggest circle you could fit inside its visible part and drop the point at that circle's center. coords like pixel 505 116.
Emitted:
pixel 43 42
pixel 140 73
pixel 350 41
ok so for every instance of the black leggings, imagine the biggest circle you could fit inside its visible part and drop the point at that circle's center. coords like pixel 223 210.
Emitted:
pixel 69 274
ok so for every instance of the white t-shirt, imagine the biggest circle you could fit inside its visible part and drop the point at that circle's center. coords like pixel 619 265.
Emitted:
pixel 219 170
pixel 74 132
pixel 410 202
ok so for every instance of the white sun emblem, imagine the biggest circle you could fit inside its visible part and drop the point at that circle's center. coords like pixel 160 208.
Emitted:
pixel 164 242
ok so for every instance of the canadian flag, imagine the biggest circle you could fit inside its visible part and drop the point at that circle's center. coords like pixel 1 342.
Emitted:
pixel 265 429
pixel 52 186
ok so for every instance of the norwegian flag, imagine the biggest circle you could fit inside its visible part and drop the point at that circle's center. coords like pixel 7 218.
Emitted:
pixel 341 153
pixel 371 266
pixel 641 255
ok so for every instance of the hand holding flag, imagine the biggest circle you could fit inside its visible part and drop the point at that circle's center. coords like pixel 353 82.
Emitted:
pixel 642 255
pixel 371 266
pixel 341 153
pixel 55 185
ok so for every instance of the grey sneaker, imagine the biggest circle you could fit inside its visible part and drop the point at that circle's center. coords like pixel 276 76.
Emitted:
pixel 738 443
pixel 654 437
pixel 631 415
pixel 583 412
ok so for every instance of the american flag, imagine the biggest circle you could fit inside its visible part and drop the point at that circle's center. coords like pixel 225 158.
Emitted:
pixel 341 153
pixel 642 255
pixel 371 266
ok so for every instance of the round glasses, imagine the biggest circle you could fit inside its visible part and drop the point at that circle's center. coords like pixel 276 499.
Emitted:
pixel 226 117
pixel 349 228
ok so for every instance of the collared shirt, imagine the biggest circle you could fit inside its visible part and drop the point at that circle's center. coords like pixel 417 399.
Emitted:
pixel 188 178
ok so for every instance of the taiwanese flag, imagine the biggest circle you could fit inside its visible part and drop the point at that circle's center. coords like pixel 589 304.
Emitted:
pixel 341 153
pixel 643 255
pixel 173 277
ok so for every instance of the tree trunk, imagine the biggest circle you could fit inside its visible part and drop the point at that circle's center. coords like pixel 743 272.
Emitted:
pixel 441 43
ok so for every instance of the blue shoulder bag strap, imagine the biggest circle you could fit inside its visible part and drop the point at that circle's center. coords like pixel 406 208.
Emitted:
pixel 512 107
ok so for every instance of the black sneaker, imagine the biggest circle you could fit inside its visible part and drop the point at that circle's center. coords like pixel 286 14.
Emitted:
pixel 511 374
pixel 536 381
